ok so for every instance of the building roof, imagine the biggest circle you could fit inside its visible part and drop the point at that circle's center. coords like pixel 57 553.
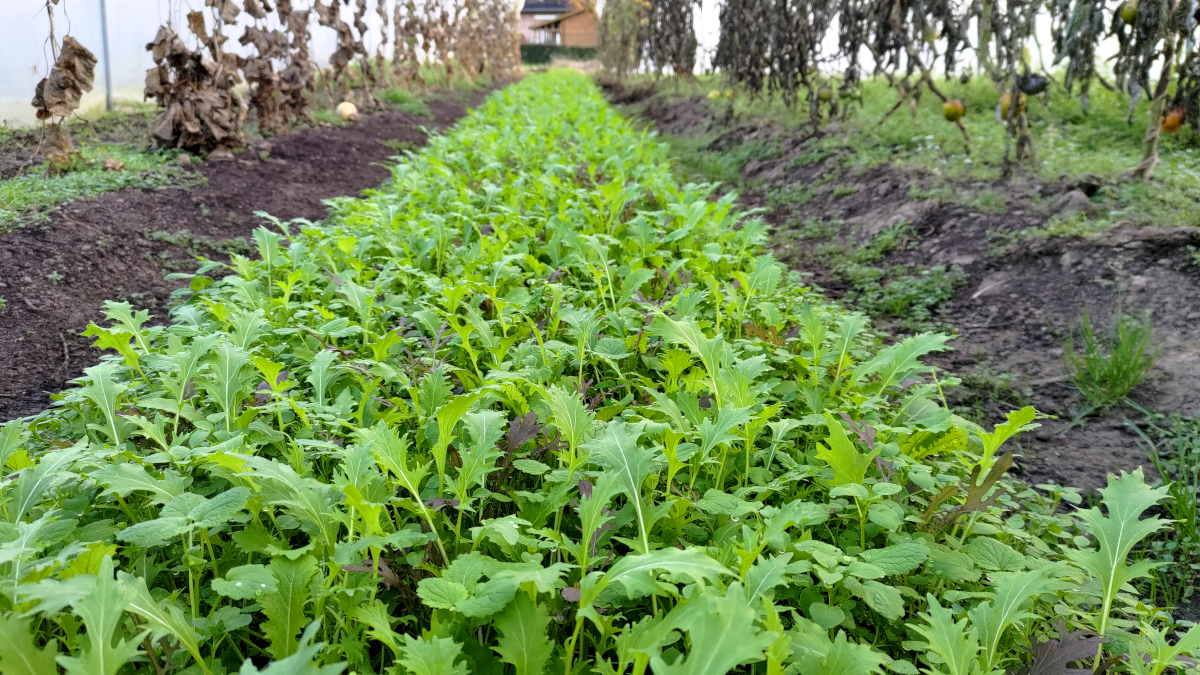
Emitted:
pixel 547 22
pixel 548 7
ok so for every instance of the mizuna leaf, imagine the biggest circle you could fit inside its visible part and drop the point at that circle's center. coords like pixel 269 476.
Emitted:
pixel 379 624
pixel 523 642
pixel 816 654
pixel 636 572
pixel 18 653
pixel 164 618
pixel 722 633
pixel 285 608
pixel 619 453
pixel 301 662
pixel 447 417
pixel 575 423
pixel 33 482
pixel 956 645
pixel 432 656
pixel 796 513
pixel 1018 421
pixel 765 575
pixel 991 618
pixel 1126 498
pixel 122 479
pixel 849 465
pixel 101 611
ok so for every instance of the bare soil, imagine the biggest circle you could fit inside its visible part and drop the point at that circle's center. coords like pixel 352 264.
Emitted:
pixel 56 275
pixel 1022 296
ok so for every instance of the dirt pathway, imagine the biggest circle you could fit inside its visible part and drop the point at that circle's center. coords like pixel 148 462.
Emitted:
pixel 56 276
pixel 1021 295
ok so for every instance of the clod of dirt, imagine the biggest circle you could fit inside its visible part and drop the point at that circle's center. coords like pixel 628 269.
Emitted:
pixel 1070 203
pixel 185 160
pixel 875 221
pixel 1090 183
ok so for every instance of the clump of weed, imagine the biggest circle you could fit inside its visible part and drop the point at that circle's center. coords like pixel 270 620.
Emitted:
pixel 989 201
pixel 842 191
pixel 1172 442
pixel 405 101
pixel 31 196
pixel 795 194
pixel 195 244
pixel 909 293
pixel 695 157
pixel 398 146
pixel 982 392
pixel 1108 366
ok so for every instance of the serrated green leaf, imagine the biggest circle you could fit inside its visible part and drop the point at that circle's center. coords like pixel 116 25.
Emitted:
pixel 530 466
pixel 880 597
pixel 18 653
pixel 432 656
pixel 157 532
pixel 100 652
pixel 952 565
pixel 523 642
pixel 722 633
pixel 849 465
pixel 285 608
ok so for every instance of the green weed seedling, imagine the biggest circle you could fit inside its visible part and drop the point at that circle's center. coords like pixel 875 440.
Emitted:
pixel 1106 367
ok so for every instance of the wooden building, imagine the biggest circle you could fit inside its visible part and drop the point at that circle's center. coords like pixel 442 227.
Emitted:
pixel 558 22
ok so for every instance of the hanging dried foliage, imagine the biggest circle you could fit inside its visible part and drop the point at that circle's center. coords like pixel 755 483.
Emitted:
pixel 330 17
pixel 406 67
pixel 622 24
pixel 1077 27
pixel 200 109
pixel 669 38
pixel 260 74
pixel 58 94
pixel 300 73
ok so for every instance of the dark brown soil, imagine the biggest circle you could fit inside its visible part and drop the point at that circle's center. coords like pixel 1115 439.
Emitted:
pixel 1022 296
pixel 56 276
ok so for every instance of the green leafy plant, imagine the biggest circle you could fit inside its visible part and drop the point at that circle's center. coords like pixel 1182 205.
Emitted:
pixel 535 407
pixel 1108 366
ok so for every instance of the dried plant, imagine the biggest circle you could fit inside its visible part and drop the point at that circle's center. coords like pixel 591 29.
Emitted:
pixel 200 109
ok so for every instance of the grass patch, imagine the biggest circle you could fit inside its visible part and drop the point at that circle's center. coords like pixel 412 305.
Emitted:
pixel 404 100
pixel 1106 367
pixel 1172 442
pixel 29 196
pixel 1068 143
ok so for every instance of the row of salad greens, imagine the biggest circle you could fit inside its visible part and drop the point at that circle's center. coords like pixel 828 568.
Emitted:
pixel 534 407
